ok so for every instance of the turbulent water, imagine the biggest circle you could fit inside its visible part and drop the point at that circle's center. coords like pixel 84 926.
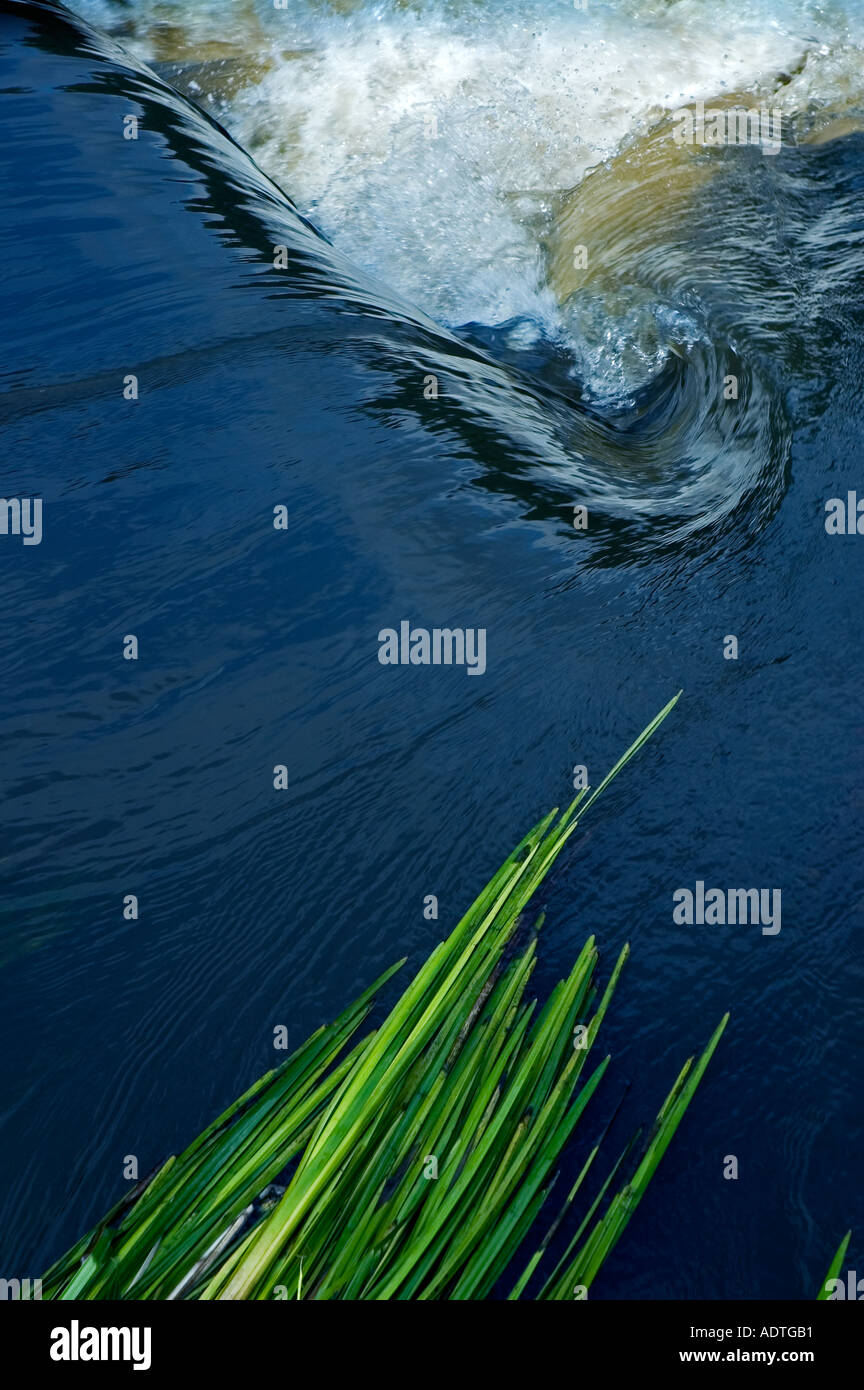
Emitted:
pixel 435 142
pixel 430 170
pixel 442 146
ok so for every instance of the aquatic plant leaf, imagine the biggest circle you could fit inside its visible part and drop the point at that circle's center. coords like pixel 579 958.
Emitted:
pixel 411 1163
pixel 836 1265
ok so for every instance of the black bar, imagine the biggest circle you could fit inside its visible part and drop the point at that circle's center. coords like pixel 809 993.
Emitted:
pixel 283 1339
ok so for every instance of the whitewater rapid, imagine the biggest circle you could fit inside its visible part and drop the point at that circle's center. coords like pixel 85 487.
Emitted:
pixel 432 141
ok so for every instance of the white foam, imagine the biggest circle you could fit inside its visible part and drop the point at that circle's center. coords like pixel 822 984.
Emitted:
pixel 522 99
pixel 521 108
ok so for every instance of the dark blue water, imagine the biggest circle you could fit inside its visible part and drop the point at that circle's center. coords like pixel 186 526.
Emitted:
pixel 303 387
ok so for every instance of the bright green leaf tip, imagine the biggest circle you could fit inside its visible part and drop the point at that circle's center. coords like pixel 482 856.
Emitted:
pixel 836 1266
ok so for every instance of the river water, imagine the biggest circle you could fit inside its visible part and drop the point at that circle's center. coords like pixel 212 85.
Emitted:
pixel 430 383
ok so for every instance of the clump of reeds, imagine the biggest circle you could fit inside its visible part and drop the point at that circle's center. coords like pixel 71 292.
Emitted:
pixel 412 1162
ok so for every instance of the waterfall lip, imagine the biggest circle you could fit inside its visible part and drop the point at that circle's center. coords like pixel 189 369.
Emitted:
pixel 652 451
